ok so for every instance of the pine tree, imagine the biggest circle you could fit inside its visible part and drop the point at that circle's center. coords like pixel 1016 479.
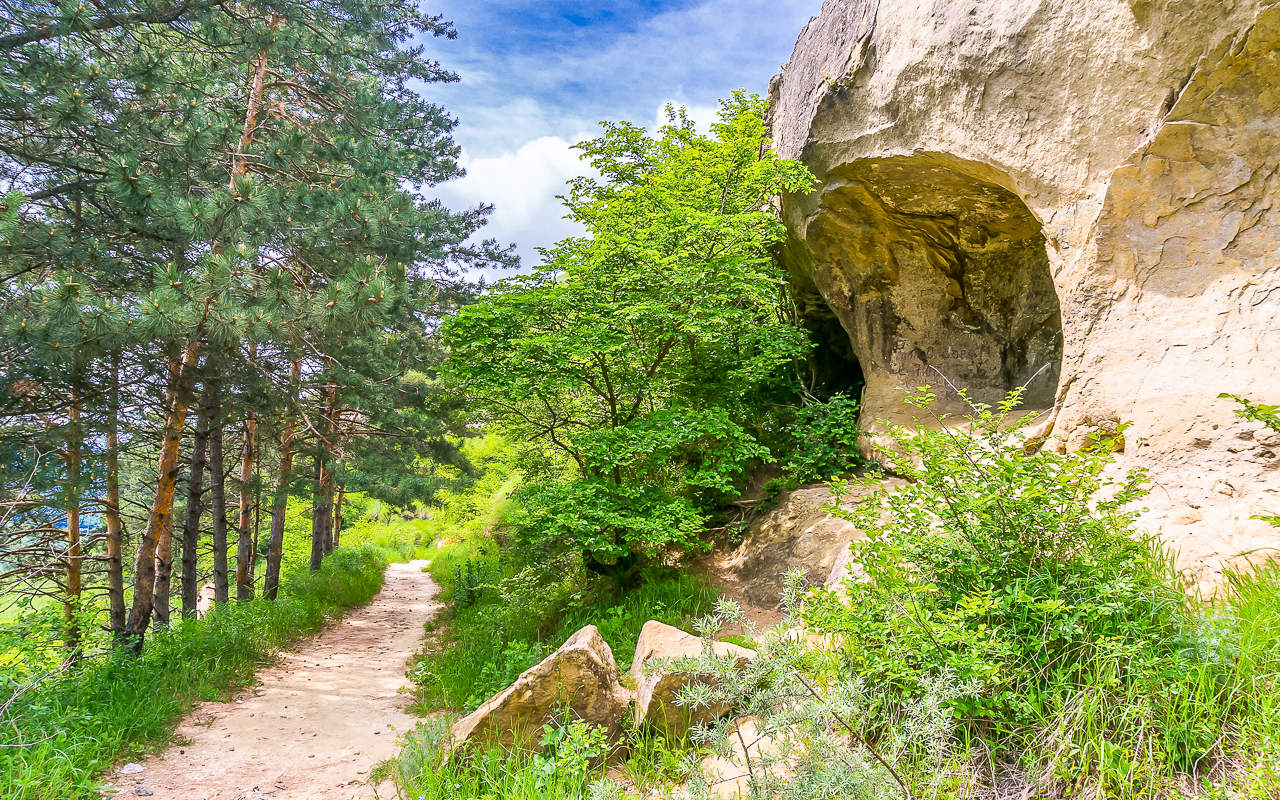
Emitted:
pixel 231 182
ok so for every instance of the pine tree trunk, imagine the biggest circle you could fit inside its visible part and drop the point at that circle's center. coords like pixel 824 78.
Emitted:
pixel 191 523
pixel 280 502
pixel 337 518
pixel 218 497
pixel 144 568
pixel 74 555
pixel 320 510
pixel 244 533
pixel 111 510
pixel 164 573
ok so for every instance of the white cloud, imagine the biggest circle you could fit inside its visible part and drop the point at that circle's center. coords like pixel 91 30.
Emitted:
pixel 702 115
pixel 522 185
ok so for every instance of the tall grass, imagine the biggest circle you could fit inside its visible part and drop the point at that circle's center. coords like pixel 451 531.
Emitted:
pixel 1252 609
pixel 58 738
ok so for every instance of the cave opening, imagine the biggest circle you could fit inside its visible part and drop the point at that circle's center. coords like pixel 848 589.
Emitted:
pixel 832 367
pixel 929 271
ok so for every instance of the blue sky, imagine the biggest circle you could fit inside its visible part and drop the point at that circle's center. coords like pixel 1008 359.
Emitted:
pixel 538 76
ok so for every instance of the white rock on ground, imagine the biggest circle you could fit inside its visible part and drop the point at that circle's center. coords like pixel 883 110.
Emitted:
pixel 580 678
pixel 656 687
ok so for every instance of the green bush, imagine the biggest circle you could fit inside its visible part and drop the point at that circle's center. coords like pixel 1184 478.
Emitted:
pixel 57 738
pixel 564 769
pixel 1021 571
pixel 825 440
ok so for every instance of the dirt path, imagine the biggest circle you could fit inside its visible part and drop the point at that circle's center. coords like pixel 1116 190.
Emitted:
pixel 314 725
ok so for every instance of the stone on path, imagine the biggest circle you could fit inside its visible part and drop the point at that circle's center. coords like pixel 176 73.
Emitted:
pixel 580 678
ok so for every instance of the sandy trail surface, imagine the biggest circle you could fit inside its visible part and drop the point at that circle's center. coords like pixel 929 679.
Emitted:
pixel 316 723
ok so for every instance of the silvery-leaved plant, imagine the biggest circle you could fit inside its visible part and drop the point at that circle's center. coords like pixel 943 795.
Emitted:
pixel 798 730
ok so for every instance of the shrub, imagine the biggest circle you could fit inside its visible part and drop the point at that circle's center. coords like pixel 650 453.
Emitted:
pixel 814 714
pixel 1021 572
pixel 825 439
pixel 564 769
pixel 520 619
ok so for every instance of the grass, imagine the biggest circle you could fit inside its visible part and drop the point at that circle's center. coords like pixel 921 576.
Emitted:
pixel 569 765
pixel 480 648
pixel 58 738
pixel 1252 610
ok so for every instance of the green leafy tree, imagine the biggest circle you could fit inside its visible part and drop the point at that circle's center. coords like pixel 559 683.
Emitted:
pixel 635 352
pixel 232 188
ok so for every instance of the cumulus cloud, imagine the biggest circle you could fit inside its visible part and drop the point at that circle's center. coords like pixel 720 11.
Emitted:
pixel 522 185
pixel 538 75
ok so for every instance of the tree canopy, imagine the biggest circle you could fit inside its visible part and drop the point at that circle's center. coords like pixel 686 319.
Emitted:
pixel 634 351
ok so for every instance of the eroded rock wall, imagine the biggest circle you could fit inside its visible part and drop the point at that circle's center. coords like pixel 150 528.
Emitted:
pixel 1085 191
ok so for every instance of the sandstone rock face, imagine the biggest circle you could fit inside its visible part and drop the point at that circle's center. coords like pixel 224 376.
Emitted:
pixel 1078 195
pixel 656 687
pixel 799 533
pixel 581 677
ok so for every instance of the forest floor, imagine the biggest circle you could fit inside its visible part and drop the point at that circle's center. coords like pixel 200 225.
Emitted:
pixel 316 723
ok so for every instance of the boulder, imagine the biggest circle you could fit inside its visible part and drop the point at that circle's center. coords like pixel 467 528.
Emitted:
pixel 798 533
pixel 730 778
pixel 580 678
pixel 1076 195
pixel 657 686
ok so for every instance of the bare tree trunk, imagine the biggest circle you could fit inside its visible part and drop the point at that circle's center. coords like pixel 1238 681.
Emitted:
pixel 115 530
pixel 191 523
pixel 164 573
pixel 257 511
pixel 244 533
pixel 280 502
pixel 75 555
pixel 337 518
pixel 320 510
pixel 218 496
pixel 176 399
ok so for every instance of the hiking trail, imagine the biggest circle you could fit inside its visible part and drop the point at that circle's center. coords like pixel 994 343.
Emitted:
pixel 315 723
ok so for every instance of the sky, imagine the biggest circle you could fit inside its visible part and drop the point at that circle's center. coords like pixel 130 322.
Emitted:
pixel 539 75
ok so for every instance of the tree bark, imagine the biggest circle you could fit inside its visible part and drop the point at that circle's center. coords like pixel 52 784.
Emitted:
pixel 191 523
pixel 115 530
pixel 218 498
pixel 280 502
pixel 176 399
pixel 244 532
pixel 164 573
pixel 337 519
pixel 74 555
pixel 322 506
pixel 320 509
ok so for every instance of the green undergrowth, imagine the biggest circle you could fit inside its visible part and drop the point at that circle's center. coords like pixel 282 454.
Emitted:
pixel 1011 633
pixel 574 760
pixel 59 737
pixel 513 621
pixel 1252 611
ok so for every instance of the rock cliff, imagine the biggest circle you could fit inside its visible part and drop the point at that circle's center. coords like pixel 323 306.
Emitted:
pixel 1078 194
